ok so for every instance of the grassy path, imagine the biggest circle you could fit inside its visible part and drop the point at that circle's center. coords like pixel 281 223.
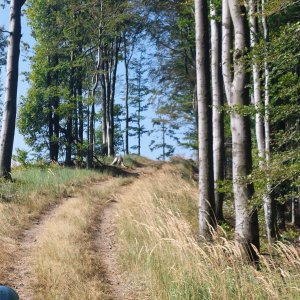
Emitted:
pixel 69 251
pixel 21 275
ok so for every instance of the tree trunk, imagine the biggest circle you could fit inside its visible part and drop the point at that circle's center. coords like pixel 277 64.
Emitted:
pixel 226 48
pixel 50 113
pixel 80 117
pixel 127 109
pixel 56 127
pixel 53 118
pixel 139 109
pixel 69 131
pixel 218 115
pixel 269 203
pixel 69 140
pixel 246 227
pixel 206 179
pixel 259 120
pixel 126 63
pixel 90 154
pixel 164 141
pixel 104 112
pixel 281 208
pixel 11 87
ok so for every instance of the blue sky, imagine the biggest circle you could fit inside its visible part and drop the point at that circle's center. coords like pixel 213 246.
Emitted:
pixel 23 87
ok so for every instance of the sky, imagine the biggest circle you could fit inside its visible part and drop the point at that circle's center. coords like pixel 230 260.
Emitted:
pixel 24 85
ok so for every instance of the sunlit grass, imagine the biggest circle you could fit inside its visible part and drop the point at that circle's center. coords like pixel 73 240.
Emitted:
pixel 32 191
pixel 158 243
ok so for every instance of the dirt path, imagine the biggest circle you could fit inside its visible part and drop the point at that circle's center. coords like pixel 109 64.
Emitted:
pixel 20 275
pixel 122 287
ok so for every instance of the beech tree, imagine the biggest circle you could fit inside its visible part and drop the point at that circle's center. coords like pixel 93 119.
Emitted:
pixel 206 180
pixel 11 88
pixel 218 113
pixel 262 126
pixel 226 49
pixel 246 226
pixel 2 54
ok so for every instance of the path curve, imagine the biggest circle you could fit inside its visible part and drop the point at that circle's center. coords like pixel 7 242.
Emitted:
pixel 20 276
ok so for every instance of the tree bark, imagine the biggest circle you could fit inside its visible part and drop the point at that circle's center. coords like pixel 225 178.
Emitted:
pixel 269 202
pixel 11 87
pixel 139 107
pixel 69 121
pixel 126 64
pixel 226 47
pixel 206 179
pixel 218 115
pixel 246 227
pixel 80 115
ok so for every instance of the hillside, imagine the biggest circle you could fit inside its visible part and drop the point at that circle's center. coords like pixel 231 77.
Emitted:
pixel 126 233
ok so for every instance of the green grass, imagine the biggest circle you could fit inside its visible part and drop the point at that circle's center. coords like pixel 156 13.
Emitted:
pixel 52 180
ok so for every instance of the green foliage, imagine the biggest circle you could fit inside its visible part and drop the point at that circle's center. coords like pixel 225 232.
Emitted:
pixel 172 28
pixel 164 132
pixel 21 156
pixel 138 96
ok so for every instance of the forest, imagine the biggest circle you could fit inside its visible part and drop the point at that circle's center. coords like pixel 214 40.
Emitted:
pixel 217 78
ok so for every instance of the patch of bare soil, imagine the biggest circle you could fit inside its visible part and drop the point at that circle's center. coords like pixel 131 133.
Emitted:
pixel 121 287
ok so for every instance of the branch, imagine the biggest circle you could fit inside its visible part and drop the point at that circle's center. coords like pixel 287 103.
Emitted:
pixel 5 31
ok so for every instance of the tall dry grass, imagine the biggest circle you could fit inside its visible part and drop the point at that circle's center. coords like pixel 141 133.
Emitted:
pixel 156 231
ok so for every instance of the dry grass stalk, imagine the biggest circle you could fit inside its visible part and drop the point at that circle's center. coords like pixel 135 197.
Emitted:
pixel 156 231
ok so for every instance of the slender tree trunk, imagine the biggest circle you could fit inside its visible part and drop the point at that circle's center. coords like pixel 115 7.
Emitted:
pixel 206 178
pixel 69 140
pixel 127 108
pixel 50 113
pixel 56 127
pixel 11 87
pixel 69 131
pixel 260 123
pixel 226 48
pixel 76 120
pixel 218 115
pixel 246 227
pixel 269 203
pixel 91 136
pixel 164 140
pixel 80 116
pixel 259 119
pixel 112 84
pixel 126 63
pixel 139 109
pixel 91 141
pixel 104 113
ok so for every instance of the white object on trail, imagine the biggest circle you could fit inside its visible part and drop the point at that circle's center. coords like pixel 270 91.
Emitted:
pixel 118 161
